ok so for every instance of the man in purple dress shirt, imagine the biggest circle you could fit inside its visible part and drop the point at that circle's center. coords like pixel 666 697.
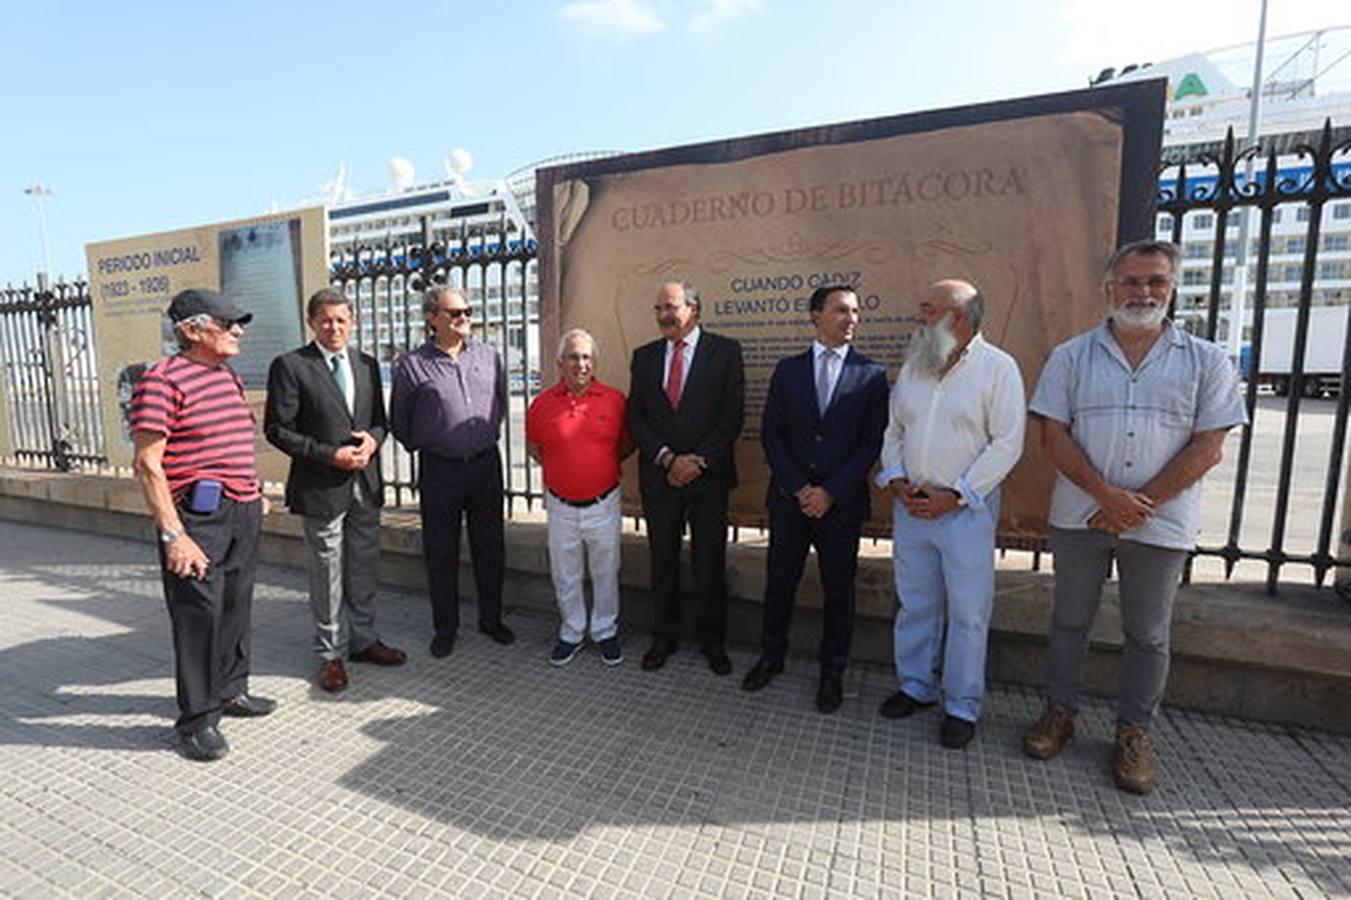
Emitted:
pixel 448 403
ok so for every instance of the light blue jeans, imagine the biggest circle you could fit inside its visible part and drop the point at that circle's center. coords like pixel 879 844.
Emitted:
pixel 944 572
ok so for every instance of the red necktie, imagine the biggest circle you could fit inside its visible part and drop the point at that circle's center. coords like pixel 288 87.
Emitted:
pixel 674 377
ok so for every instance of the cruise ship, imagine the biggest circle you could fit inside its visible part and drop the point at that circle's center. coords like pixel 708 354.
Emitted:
pixel 486 228
pixel 1307 82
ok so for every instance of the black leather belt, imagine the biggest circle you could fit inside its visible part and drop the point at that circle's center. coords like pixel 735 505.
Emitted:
pixel 582 504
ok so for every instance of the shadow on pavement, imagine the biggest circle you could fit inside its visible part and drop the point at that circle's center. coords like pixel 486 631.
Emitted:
pixel 495 743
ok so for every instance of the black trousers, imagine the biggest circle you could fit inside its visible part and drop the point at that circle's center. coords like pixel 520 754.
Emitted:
pixel 667 514
pixel 835 538
pixel 212 619
pixel 452 490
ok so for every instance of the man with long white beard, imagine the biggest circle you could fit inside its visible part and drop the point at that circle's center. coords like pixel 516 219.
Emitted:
pixel 1132 414
pixel 955 431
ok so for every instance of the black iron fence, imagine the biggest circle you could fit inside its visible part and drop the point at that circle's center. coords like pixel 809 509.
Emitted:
pixel 1306 185
pixel 1298 266
pixel 50 375
pixel 497 270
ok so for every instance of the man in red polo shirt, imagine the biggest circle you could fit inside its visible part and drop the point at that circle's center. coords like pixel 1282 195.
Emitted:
pixel 575 430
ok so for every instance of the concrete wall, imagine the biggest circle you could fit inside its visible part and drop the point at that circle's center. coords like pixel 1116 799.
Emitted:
pixel 1235 651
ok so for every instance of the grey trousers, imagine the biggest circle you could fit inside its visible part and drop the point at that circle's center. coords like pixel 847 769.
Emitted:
pixel 1149 578
pixel 343 558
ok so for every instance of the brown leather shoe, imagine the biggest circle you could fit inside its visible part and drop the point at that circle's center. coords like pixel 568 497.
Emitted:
pixel 1133 760
pixel 380 654
pixel 1049 734
pixel 332 676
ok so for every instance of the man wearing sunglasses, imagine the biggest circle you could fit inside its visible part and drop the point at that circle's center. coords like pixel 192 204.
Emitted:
pixel 448 401
pixel 194 458
pixel 1132 414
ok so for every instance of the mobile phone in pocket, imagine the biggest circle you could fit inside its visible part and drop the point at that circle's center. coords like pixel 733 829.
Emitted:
pixel 204 496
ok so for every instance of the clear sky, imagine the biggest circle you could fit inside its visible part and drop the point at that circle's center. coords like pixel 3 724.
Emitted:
pixel 145 116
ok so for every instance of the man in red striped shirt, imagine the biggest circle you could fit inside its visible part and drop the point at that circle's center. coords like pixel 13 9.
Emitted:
pixel 193 434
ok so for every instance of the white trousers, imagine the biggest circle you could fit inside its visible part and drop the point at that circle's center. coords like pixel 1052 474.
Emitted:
pixel 582 539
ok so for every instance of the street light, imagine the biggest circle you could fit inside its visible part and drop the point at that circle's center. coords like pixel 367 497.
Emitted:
pixel 1240 288
pixel 37 192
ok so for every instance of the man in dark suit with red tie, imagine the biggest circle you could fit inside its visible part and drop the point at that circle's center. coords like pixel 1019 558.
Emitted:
pixel 686 404
pixel 326 410
pixel 822 431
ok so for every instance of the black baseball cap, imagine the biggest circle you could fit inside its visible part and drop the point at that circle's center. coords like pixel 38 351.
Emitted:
pixel 195 302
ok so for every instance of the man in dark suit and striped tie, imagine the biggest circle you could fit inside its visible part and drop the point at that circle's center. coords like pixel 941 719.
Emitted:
pixel 822 431
pixel 686 400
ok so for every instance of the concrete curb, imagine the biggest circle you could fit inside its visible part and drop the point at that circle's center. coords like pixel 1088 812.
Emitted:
pixel 1236 651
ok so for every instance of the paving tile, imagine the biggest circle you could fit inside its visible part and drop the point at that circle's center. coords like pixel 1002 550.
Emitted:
pixel 490 774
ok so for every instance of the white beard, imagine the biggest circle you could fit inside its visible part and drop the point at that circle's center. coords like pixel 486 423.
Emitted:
pixel 930 347
pixel 1146 320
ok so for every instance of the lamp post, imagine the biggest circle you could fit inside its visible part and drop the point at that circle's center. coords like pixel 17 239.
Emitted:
pixel 58 418
pixel 1237 295
pixel 37 192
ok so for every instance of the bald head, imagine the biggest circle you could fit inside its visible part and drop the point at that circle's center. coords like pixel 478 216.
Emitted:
pixel 958 297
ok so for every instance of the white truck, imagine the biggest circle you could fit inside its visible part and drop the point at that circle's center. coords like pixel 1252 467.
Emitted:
pixel 1323 351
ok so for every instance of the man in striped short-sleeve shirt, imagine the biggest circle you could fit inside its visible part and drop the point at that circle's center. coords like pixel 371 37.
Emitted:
pixel 194 458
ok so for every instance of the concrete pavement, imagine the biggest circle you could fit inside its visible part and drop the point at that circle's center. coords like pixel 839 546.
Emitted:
pixel 491 774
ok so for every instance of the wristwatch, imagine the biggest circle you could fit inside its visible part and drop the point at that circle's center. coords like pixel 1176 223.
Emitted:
pixel 168 537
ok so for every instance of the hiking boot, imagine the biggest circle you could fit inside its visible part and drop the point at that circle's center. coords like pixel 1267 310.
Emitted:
pixel 1049 734
pixel 1133 760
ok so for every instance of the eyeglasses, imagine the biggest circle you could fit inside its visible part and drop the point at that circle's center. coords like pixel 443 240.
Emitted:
pixel 463 312
pixel 1153 283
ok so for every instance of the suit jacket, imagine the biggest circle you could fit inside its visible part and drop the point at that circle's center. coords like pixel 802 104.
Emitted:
pixel 306 418
pixel 836 450
pixel 708 422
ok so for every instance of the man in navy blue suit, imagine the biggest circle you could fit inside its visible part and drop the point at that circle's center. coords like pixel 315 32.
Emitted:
pixel 822 432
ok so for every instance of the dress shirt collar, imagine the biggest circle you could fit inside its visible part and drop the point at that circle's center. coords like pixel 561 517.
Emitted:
pixel 328 354
pixel 1170 333
pixel 691 340
pixel 469 346
pixel 973 348
pixel 841 352
pixel 1171 336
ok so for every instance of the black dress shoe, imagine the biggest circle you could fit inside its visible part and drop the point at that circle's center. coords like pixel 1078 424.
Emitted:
pixel 656 655
pixel 718 660
pixel 901 705
pixel 956 733
pixel 442 645
pixel 761 674
pixel 204 745
pixel 247 706
pixel 830 692
pixel 500 633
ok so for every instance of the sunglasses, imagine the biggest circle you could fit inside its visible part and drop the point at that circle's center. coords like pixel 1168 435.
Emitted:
pixel 464 312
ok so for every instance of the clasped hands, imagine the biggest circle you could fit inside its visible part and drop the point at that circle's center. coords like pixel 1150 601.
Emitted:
pixel 1120 510
pixel 814 501
pixel 353 457
pixel 684 468
pixel 925 501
